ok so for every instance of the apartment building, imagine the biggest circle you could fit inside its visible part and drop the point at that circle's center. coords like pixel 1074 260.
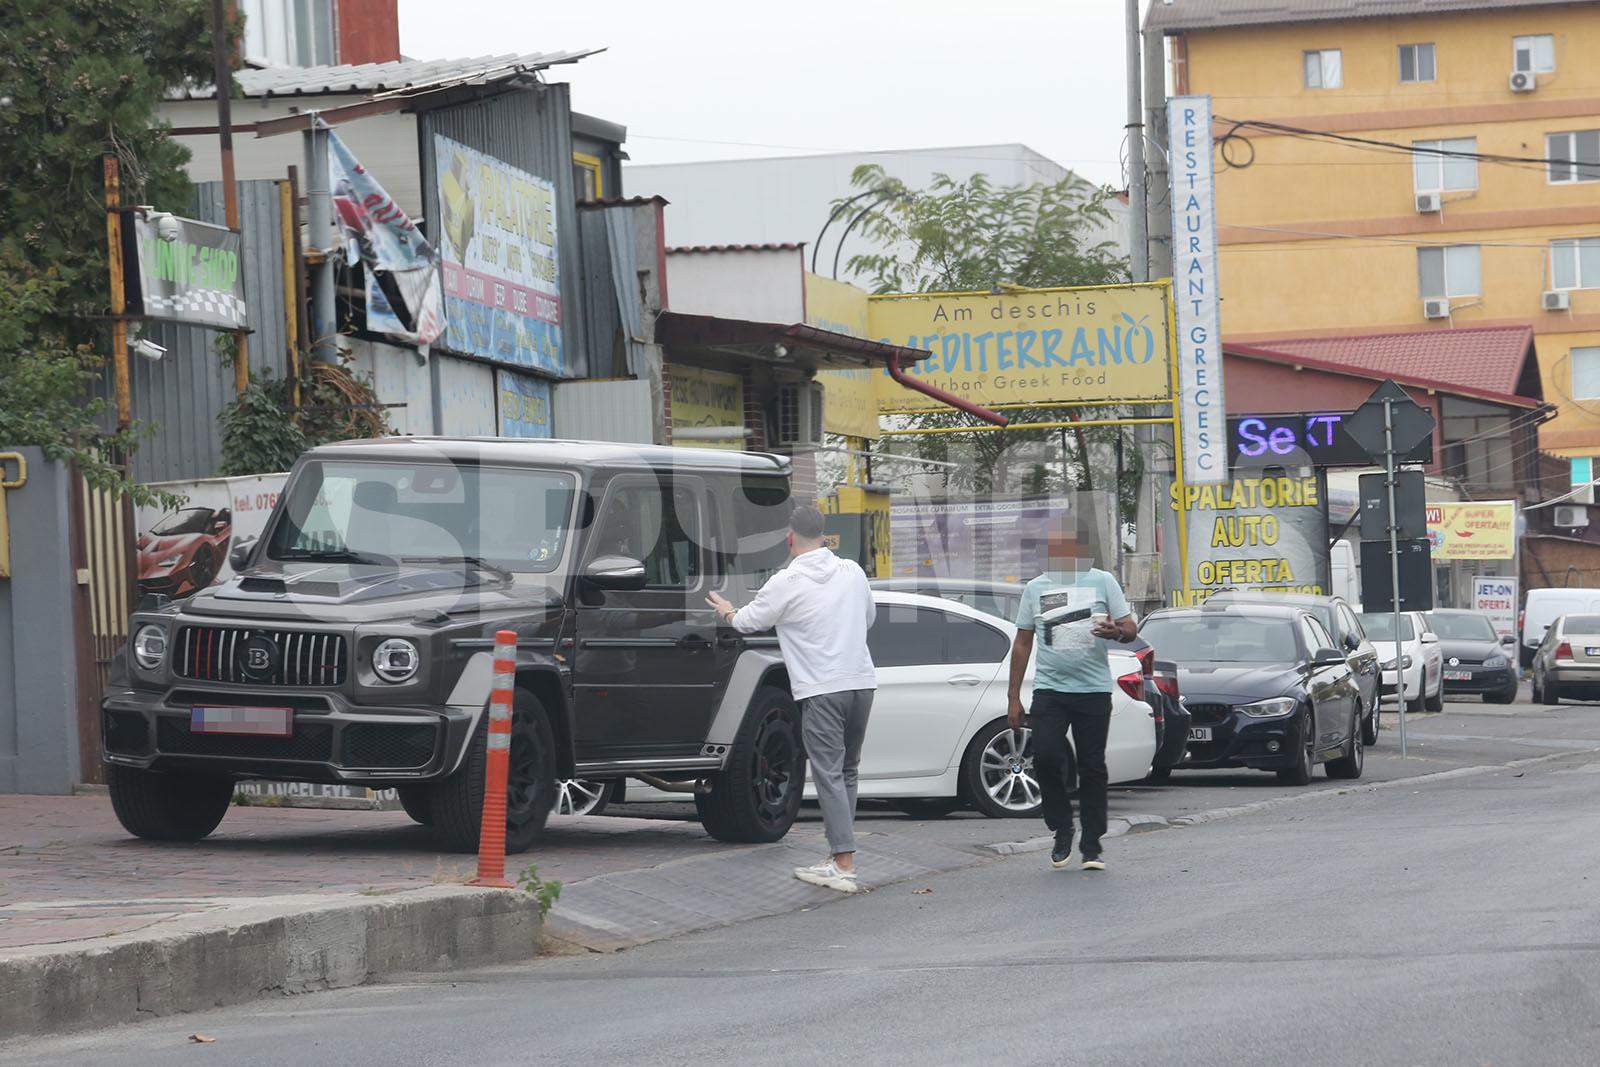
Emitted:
pixel 1397 166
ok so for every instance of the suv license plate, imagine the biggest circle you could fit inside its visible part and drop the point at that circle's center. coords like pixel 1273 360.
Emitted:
pixel 1199 733
pixel 268 722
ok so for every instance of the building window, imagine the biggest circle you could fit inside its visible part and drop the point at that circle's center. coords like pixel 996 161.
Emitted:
pixel 587 177
pixel 1533 55
pixel 1575 264
pixel 1574 156
pixel 1448 271
pixel 1436 173
pixel 1324 69
pixel 1586 374
pixel 1416 63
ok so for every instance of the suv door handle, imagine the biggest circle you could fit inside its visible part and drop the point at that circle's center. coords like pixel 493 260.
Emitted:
pixel 964 680
pixel 729 639
pixel 693 642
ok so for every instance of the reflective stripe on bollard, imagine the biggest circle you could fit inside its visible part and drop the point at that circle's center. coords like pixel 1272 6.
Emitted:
pixel 492 836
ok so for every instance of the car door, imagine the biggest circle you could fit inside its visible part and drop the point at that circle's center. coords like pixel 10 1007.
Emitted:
pixel 1361 656
pixel 1332 688
pixel 645 666
pixel 933 667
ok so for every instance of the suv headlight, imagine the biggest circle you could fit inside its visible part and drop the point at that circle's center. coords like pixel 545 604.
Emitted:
pixel 1267 709
pixel 395 659
pixel 1495 661
pixel 150 646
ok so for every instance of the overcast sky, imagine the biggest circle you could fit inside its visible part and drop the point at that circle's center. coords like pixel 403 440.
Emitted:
pixel 690 76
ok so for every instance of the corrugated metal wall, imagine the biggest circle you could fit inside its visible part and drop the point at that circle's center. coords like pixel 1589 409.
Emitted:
pixel 178 398
pixel 602 325
pixel 530 129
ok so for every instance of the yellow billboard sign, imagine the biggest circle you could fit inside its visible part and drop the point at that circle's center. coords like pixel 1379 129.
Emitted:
pixel 1481 530
pixel 1097 345
pixel 704 402
pixel 850 400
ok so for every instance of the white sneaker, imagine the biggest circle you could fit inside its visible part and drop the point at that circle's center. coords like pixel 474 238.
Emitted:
pixel 828 875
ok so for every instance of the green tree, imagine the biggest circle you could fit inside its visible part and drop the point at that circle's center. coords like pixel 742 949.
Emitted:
pixel 79 79
pixel 961 236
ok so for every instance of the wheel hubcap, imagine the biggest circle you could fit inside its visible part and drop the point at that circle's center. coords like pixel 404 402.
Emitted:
pixel 1006 769
pixel 579 796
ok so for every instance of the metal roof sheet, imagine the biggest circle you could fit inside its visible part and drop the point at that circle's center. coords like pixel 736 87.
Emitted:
pixel 771 246
pixel 413 75
pixel 1174 16
pixel 1486 361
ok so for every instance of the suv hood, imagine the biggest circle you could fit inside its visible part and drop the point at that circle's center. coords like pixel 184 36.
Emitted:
pixel 1205 683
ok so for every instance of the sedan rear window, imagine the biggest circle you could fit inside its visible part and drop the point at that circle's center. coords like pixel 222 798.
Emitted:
pixel 1222 639
pixel 1581 624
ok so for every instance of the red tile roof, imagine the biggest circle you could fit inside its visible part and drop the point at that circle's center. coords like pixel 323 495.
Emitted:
pixel 1482 361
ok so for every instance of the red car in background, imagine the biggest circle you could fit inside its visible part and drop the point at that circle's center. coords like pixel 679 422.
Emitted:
pixel 184 551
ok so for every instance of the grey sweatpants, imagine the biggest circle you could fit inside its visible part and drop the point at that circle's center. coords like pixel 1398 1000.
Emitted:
pixel 834 725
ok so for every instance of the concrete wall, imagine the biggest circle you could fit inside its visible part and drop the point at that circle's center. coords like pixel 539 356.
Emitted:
pixel 38 668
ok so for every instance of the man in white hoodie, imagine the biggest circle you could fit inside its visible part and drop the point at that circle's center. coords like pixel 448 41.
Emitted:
pixel 822 607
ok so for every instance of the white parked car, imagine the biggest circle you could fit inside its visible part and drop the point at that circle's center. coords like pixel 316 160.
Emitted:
pixel 938 737
pixel 1421 661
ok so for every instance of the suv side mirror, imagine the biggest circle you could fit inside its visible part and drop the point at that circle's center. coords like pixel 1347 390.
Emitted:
pixel 620 573
pixel 239 555
pixel 1327 657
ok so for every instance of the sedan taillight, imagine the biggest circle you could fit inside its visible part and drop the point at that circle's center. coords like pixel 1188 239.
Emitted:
pixel 1168 684
pixel 1564 650
pixel 1132 683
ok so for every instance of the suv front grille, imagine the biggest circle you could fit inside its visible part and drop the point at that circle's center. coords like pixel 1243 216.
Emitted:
pixel 383 745
pixel 1208 714
pixel 217 654
pixel 311 741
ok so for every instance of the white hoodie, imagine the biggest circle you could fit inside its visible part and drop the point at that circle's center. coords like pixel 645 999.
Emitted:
pixel 822 607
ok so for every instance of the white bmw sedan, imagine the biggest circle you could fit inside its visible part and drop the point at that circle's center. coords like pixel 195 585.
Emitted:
pixel 938 738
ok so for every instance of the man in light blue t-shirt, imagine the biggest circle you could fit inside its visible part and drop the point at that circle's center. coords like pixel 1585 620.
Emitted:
pixel 1067 615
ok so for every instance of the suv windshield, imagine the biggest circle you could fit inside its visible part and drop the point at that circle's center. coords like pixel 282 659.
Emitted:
pixel 1222 639
pixel 1380 627
pixel 1463 627
pixel 360 512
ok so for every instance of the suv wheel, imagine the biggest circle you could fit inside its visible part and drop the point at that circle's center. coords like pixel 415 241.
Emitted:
pixel 1350 764
pixel 415 799
pixel 168 806
pixel 1300 773
pixel 584 796
pixel 757 796
pixel 456 804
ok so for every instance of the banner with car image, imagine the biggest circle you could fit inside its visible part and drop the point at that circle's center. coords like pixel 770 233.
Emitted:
pixel 183 550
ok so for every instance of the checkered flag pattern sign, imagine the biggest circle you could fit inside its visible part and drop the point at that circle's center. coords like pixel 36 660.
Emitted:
pixel 187 271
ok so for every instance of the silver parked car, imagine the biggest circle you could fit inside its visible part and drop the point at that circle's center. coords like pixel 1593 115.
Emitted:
pixel 1567 661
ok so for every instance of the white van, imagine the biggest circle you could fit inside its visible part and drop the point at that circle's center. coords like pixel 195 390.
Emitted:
pixel 1545 606
pixel 1345 574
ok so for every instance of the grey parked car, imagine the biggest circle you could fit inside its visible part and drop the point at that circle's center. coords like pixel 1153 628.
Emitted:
pixel 1567 662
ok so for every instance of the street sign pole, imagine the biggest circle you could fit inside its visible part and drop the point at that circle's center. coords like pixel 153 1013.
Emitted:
pixel 1394 568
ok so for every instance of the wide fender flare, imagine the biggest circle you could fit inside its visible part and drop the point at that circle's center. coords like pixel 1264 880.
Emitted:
pixel 754 668
pixel 550 677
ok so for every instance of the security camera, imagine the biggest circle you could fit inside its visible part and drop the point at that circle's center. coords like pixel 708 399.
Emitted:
pixel 148 349
pixel 166 225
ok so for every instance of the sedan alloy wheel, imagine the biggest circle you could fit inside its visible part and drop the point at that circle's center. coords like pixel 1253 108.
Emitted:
pixel 1000 774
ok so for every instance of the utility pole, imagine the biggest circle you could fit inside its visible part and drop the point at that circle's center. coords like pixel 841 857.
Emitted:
pixel 1139 249
pixel 119 326
pixel 1158 230
pixel 223 77
pixel 319 221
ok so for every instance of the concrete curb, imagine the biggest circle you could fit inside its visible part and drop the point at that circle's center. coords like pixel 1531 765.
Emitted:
pixel 253 947
pixel 1138 823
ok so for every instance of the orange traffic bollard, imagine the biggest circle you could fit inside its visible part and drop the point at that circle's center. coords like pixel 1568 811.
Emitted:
pixel 492 837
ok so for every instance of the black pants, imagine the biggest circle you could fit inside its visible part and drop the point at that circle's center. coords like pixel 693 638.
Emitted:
pixel 1088 716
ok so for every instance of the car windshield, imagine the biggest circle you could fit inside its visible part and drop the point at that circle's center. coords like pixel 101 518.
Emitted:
pixel 1380 627
pixel 371 512
pixel 1222 639
pixel 1463 627
pixel 187 521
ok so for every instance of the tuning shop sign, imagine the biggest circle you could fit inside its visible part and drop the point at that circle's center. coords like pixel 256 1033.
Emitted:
pixel 182 270
pixel 1261 530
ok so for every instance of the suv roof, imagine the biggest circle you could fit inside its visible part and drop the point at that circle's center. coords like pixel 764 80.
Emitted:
pixel 602 454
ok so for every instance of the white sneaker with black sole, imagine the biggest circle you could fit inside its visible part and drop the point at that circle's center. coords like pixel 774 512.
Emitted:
pixel 828 875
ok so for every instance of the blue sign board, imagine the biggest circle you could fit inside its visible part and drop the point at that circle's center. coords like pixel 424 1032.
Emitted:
pixel 523 405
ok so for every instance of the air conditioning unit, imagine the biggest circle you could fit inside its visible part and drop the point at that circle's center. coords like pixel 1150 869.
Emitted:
pixel 1556 300
pixel 1523 81
pixel 1428 203
pixel 799 414
pixel 1436 309
pixel 1571 515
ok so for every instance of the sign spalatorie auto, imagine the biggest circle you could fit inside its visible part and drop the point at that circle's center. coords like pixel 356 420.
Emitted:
pixel 184 271
pixel 1261 530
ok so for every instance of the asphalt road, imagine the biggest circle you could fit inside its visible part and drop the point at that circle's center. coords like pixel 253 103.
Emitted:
pixel 1447 920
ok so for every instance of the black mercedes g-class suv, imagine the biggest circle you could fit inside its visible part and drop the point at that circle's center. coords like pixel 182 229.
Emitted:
pixel 353 643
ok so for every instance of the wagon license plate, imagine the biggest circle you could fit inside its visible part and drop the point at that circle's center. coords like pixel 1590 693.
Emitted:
pixel 266 722
pixel 1199 733
pixel 1458 676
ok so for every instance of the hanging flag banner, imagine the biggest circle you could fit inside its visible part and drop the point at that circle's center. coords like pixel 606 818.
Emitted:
pixel 1202 409
pixel 401 267
pixel 184 271
pixel 502 279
